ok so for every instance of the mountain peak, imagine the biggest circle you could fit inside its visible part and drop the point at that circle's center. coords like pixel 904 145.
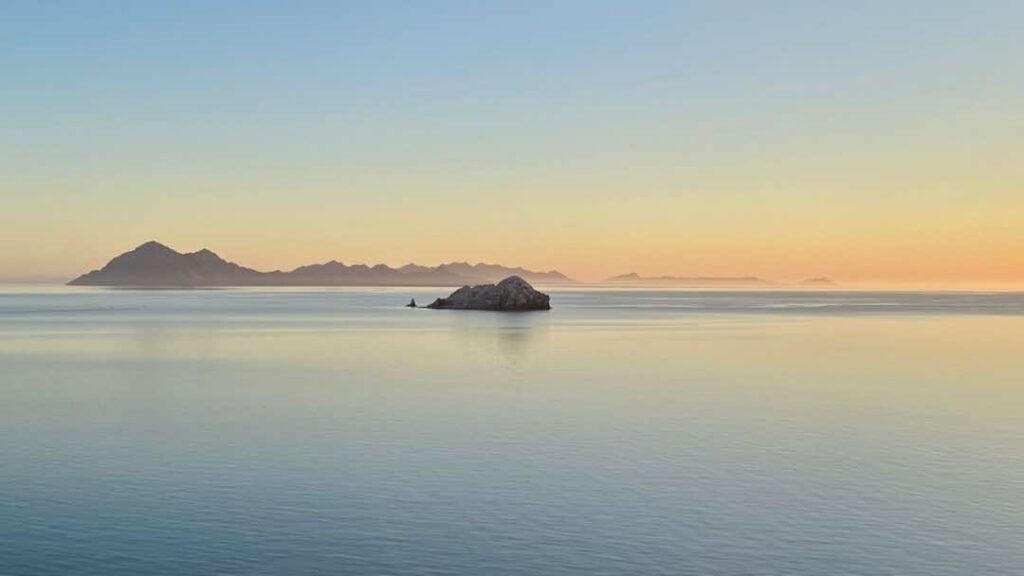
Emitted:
pixel 154 264
pixel 206 256
pixel 153 247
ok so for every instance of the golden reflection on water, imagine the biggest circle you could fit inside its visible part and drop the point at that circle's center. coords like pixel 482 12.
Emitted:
pixel 655 432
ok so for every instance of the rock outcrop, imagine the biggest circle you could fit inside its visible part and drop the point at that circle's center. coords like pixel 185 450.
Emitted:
pixel 513 294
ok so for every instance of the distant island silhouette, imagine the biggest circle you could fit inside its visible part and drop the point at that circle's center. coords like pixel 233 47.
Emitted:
pixel 818 281
pixel 713 281
pixel 155 265
pixel 633 277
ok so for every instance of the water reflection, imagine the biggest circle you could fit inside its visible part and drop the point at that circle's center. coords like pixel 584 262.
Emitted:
pixel 323 432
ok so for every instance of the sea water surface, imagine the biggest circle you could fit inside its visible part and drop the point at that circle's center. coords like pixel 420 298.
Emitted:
pixel 333 431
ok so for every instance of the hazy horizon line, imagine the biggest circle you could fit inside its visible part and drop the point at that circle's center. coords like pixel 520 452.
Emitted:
pixel 746 281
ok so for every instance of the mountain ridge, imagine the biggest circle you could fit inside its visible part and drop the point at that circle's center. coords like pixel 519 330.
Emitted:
pixel 157 265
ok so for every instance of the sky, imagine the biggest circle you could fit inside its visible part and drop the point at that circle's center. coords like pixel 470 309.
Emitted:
pixel 871 142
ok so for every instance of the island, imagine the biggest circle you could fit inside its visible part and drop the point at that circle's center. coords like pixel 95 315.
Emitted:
pixel 155 265
pixel 513 294
pixel 716 281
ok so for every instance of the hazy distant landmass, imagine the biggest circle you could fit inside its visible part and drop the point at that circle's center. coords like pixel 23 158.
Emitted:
pixel 714 281
pixel 153 264
pixel 633 277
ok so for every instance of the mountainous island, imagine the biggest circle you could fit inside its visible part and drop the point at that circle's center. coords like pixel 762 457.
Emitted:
pixel 154 265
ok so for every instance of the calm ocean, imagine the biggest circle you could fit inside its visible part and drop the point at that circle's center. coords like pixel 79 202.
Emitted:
pixel 333 431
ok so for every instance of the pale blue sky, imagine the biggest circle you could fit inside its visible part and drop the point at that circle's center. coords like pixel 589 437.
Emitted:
pixel 124 121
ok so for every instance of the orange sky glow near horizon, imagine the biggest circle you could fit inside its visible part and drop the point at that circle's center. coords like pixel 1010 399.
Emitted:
pixel 873 145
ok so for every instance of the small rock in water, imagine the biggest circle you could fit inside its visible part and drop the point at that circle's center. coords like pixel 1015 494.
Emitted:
pixel 411 304
pixel 513 294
